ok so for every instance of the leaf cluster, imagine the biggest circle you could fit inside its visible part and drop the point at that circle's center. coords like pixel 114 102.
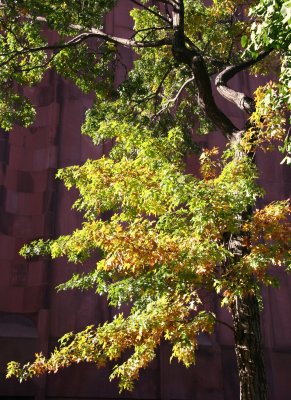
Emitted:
pixel 168 238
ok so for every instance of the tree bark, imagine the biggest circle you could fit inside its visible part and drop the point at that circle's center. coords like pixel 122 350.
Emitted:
pixel 245 311
pixel 248 348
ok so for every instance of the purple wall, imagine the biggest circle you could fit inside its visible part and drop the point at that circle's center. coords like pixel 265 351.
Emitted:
pixel 33 315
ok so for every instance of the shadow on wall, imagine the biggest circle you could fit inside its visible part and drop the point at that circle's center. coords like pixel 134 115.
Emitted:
pixel 14 325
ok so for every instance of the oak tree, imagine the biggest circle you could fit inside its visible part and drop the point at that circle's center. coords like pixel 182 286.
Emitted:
pixel 171 238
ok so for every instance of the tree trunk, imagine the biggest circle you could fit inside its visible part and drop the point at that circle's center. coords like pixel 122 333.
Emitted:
pixel 248 348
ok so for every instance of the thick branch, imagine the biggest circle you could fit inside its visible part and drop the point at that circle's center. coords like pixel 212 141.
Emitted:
pixel 195 61
pixel 93 33
pixel 97 33
pixel 206 99
pixel 242 101
pixel 178 22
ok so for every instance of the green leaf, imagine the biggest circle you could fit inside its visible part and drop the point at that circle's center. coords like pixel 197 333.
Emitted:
pixel 244 41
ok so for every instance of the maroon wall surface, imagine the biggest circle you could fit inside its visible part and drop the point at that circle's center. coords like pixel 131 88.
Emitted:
pixel 32 315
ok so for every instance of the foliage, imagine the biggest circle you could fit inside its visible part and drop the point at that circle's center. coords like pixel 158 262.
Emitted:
pixel 173 239
pixel 271 29
pixel 163 248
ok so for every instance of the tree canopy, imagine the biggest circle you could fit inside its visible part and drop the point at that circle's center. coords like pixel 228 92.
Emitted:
pixel 172 238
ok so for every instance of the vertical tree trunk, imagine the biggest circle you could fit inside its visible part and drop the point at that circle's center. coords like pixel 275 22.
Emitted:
pixel 248 348
pixel 245 311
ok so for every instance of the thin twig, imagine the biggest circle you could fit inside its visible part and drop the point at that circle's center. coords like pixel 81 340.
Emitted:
pixel 225 324
pixel 151 11
pixel 153 28
pixel 160 86
pixel 173 100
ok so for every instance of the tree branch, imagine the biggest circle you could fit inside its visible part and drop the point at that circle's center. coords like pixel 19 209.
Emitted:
pixel 242 101
pixel 160 86
pixel 153 28
pixel 225 324
pixel 151 11
pixel 93 33
pixel 169 2
pixel 193 58
pixel 174 99
pixel 97 33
